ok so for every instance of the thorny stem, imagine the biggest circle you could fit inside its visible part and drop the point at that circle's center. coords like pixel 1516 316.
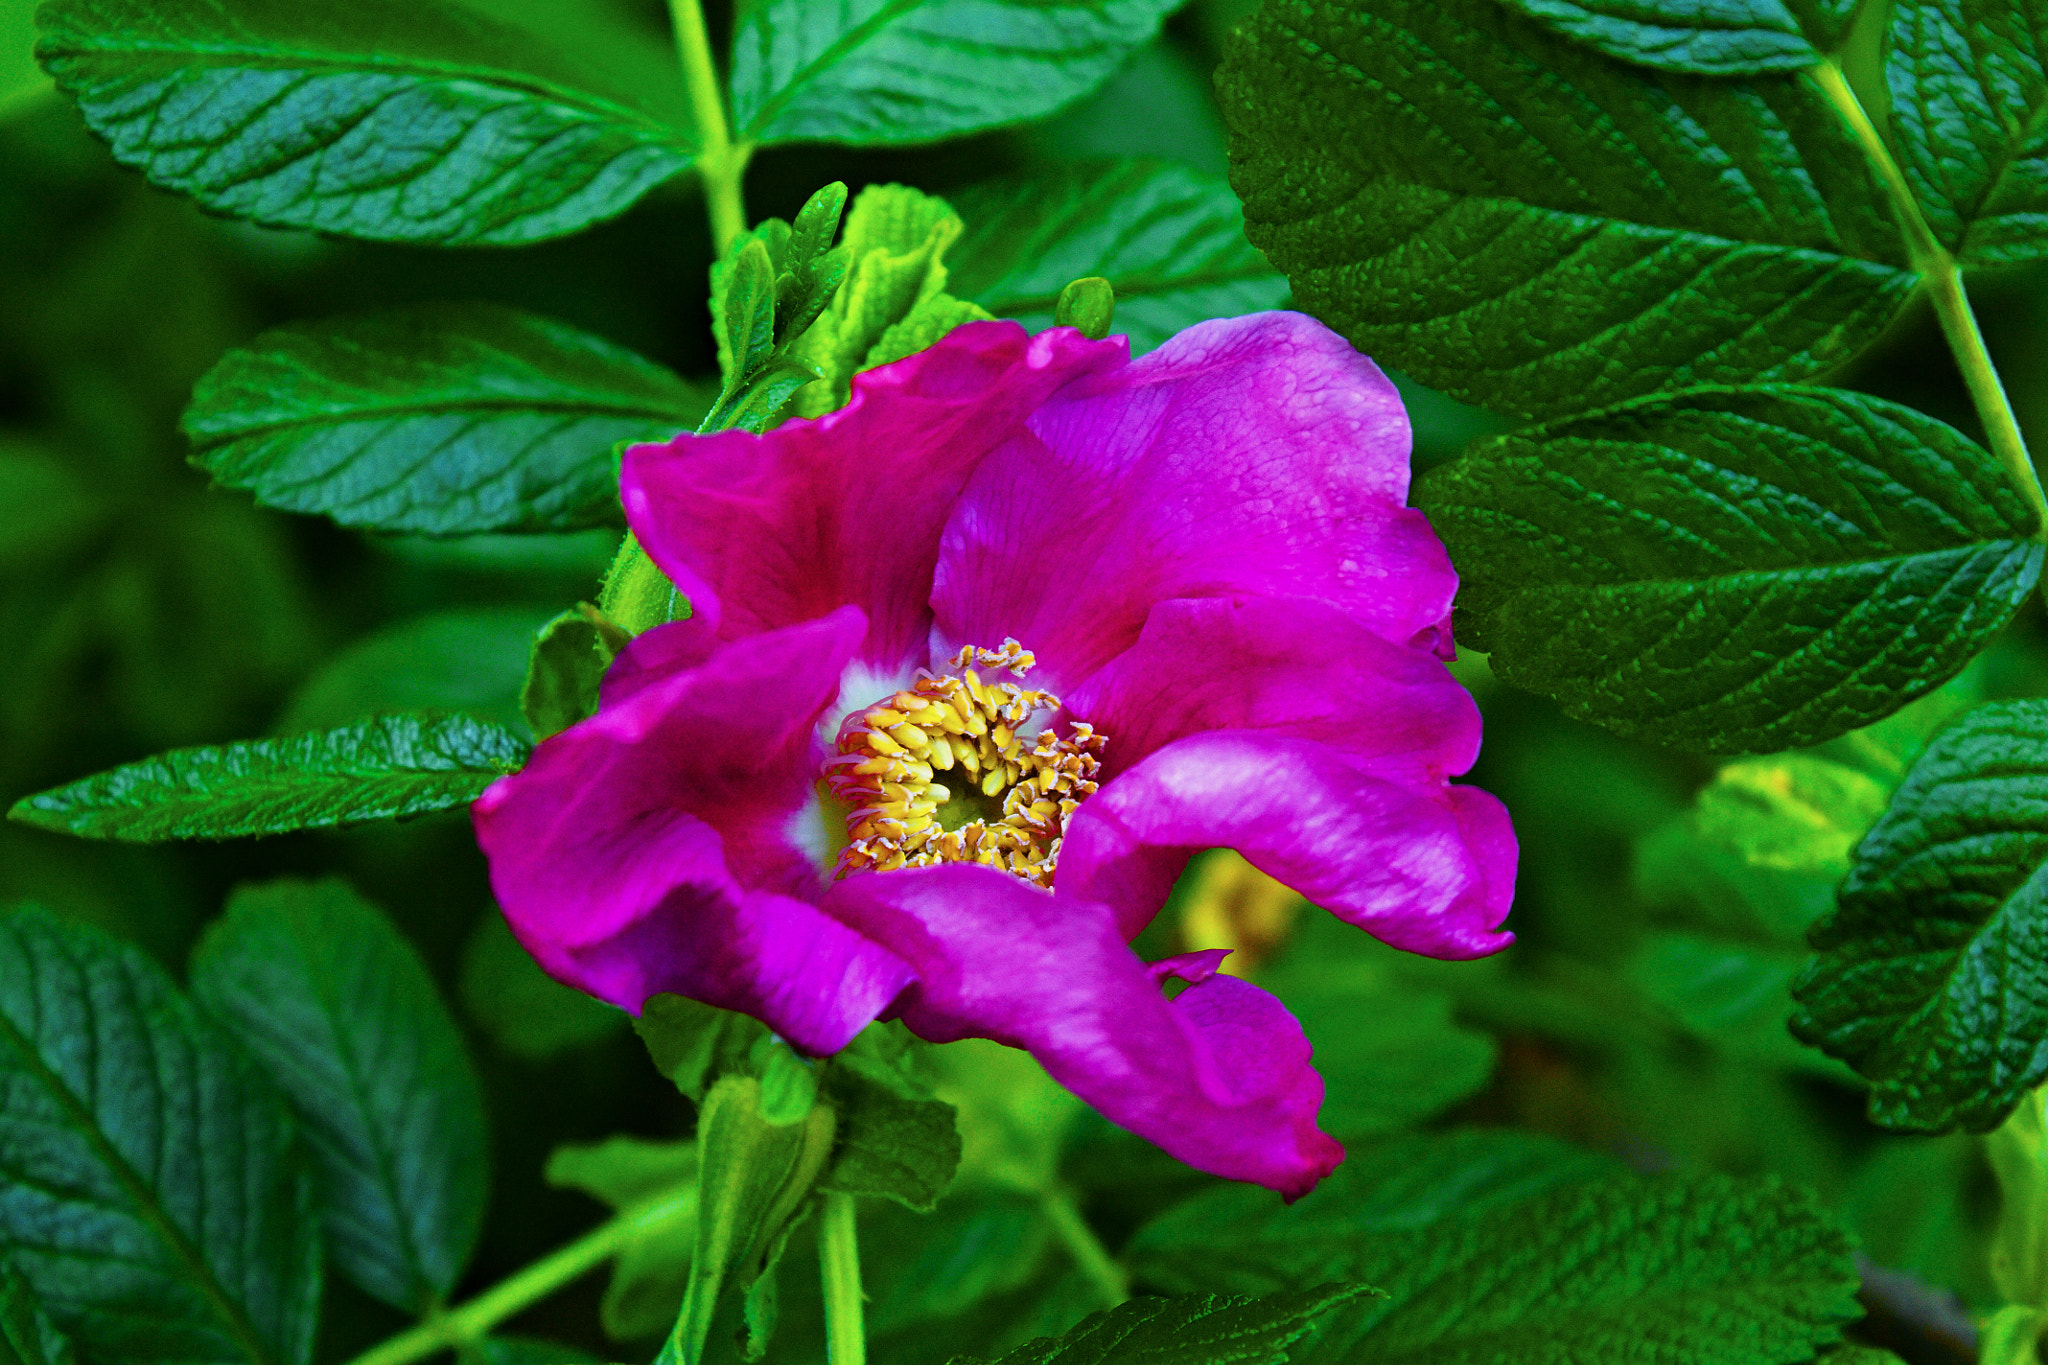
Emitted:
pixel 1951 303
pixel 839 1267
pixel 1092 1258
pixel 475 1318
pixel 721 163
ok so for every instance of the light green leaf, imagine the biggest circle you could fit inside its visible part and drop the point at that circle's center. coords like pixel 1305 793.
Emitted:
pixel 1733 569
pixel 1969 117
pixel 1709 37
pixel 466 660
pixel 447 419
pixel 1204 1329
pixel 381 769
pixel 648 1280
pixel 383 119
pixel 1934 965
pixel 1790 812
pixel 1169 240
pixel 529 1013
pixel 1527 225
pixel 693 1044
pixel 27 1336
pixel 337 1007
pixel 150 1193
pixel 882 72
pixel 894 1140
pixel 565 664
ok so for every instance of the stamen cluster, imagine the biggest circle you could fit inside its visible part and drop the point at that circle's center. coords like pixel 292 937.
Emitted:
pixel 1006 800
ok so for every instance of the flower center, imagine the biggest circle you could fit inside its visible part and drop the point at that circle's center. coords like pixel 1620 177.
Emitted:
pixel 940 774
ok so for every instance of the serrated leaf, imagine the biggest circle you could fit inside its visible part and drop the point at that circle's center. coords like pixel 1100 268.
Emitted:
pixel 1204 1329
pixel 385 120
pixel 891 1142
pixel 1170 241
pixel 337 1007
pixel 150 1191
pixel 1538 229
pixel 743 314
pixel 1932 979
pixel 1969 118
pixel 466 660
pixel 1733 569
pixel 380 769
pixel 884 72
pixel 27 1336
pixel 924 325
pixel 444 419
pixel 1707 37
pixel 653 1267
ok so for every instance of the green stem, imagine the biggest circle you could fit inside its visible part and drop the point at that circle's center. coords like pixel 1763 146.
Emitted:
pixel 1951 304
pixel 1086 1248
pixel 721 163
pixel 528 1286
pixel 839 1265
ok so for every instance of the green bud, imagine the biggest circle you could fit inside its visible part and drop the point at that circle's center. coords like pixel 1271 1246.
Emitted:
pixel 1087 304
pixel 637 596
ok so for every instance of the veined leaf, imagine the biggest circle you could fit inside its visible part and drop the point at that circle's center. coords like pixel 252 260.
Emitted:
pixel 1969 84
pixel 27 1337
pixel 149 1189
pixel 379 769
pixel 879 72
pixel 1533 227
pixel 1733 569
pixel 339 1009
pixel 1169 240
pixel 1204 1329
pixel 1710 37
pixel 447 419
pixel 1933 967
pixel 379 119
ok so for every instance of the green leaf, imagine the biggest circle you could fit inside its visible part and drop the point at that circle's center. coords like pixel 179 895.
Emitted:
pixel 1734 996
pixel 884 72
pixel 1733 569
pixel 386 768
pixel 27 1336
pixel 1532 227
pixel 974 1245
pixel 659 1179
pixel 1791 812
pixel 1969 118
pixel 894 1141
pixel 530 1351
pixel 1709 37
pixel 693 1044
pixel 1934 965
pixel 529 1013
pixel 1695 1271
pixel 386 120
pixel 1204 1329
pixel 333 1002
pixel 150 1192
pixel 1169 240
pixel 565 664
pixel 466 660
pixel 440 418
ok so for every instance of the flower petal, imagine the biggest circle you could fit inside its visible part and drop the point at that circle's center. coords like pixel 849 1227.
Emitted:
pixel 761 532
pixel 1288 665
pixel 1428 868
pixel 1257 455
pixel 649 848
pixel 1218 1077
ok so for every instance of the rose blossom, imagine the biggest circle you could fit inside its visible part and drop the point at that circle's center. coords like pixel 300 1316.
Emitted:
pixel 977 663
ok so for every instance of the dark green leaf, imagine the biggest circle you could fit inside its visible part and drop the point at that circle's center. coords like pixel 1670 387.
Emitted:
pixel 1933 968
pixel 528 1012
pixel 1204 1329
pixel 975 1244
pixel 1169 240
pixel 27 1337
pixel 1530 226
pixel 467 660
pixel 380 119
pixel 892 1141
pixel 149 1190
pixel 1733 569
pixel 446 419
pixel 1710 37
pixel 658 1180
pixel 1969 117
pixel 339 1009
pixel 380 769
pixel 1731 995
pixel 564 666
pixel 530 1351
pixel 879 72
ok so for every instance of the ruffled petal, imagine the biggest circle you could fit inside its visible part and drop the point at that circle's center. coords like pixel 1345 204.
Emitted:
pixel 1287 665
pixel 1248 456
pixel 651 847
pixel 761 532
pixel 1218 1077
pixel 1428 868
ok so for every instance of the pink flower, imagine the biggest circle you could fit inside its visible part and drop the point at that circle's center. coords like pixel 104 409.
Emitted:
pixel 833 794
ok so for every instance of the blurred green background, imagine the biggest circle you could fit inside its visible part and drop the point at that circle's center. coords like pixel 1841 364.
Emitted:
pixel 140 610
